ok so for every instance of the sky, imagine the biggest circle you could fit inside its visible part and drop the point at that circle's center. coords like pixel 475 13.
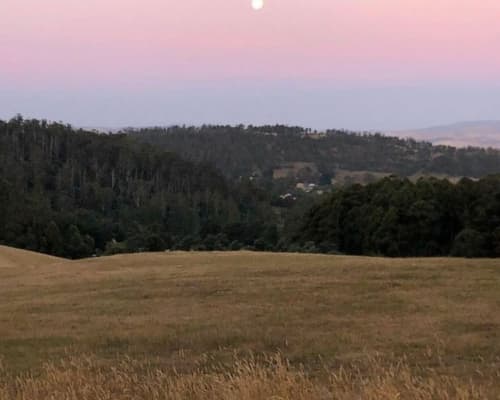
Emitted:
pixel 354 64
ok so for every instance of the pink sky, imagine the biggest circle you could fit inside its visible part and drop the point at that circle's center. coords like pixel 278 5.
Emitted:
pixel 147 42
pixel 356 64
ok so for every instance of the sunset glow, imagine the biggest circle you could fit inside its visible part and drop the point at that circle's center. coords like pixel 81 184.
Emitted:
pixel 133 45
pixel 192 39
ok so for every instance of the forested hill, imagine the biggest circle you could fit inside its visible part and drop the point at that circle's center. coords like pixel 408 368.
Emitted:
pixel 280 152
pixel 74 193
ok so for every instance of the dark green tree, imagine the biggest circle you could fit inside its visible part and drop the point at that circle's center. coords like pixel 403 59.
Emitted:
pixel 54 239
pixel 469 243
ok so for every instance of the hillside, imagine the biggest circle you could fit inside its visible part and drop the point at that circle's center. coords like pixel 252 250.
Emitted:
pixel 74 193
pixel 17 258
pixel 271 153
pixel 462 134
pixel 146 314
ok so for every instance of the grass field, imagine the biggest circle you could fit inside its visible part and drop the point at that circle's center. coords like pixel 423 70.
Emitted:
pixel 248 326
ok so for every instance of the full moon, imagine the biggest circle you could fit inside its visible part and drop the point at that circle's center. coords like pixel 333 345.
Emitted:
pixel 257 4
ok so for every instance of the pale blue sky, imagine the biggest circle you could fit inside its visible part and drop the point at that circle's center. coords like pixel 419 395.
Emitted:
pixel 290 102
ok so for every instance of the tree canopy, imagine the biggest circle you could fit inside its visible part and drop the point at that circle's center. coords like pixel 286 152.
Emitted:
pixel 396 217
pixel 74 193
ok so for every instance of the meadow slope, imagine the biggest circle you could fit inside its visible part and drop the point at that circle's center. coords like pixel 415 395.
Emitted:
pixel 17 258
pixel 391 323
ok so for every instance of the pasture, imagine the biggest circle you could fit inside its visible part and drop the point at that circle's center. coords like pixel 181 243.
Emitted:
pixel 248 326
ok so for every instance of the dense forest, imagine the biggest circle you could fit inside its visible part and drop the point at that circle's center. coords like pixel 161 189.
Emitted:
pixel 268 152
pixel 396 217
pixel 75 193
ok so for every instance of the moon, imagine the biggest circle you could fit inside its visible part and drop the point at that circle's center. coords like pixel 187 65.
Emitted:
pixel 257 4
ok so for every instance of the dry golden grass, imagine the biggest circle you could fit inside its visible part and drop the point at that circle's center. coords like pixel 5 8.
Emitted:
pixel 196 313
pixel 270 379
pixel 15 258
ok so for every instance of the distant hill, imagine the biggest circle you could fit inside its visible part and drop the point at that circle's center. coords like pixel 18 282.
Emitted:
pixel 462 134
pixel 272 153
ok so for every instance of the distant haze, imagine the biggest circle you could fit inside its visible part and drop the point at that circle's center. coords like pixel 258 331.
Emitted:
pixel 383 109
pixel 362 65
pixel 472 133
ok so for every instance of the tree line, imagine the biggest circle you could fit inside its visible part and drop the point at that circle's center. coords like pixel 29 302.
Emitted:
pixel 398 218
pixel 73 193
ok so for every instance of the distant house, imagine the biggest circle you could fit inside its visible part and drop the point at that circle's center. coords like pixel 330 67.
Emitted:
pixel 306 187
